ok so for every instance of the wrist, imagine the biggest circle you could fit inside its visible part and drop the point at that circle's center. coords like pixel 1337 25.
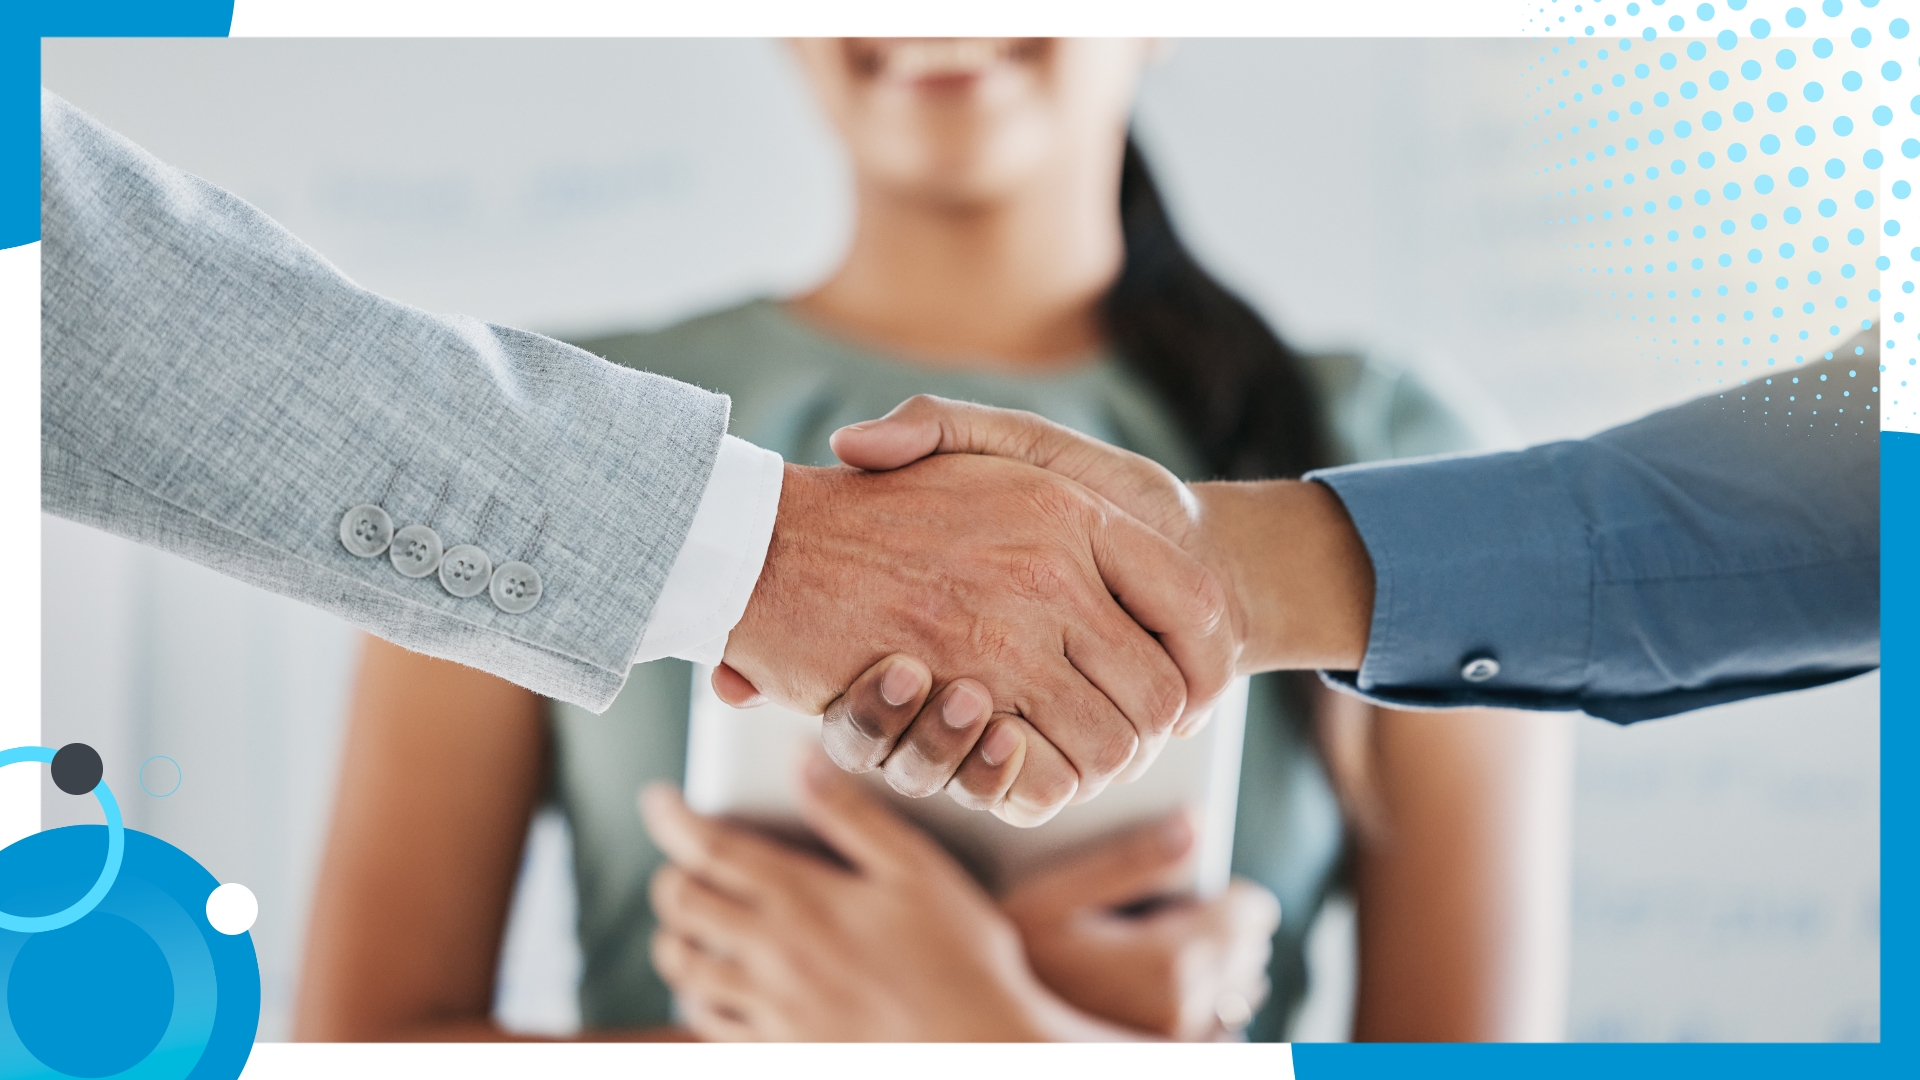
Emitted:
pixel 1298 579
pixel 764 626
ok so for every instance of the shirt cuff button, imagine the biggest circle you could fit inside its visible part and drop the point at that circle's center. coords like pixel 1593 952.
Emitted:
pixel 1480 669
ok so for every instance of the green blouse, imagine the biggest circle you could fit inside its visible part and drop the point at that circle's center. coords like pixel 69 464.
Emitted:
pixel 792 386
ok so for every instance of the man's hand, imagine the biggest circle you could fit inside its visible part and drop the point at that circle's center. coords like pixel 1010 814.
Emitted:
pixel 1063 639
pixel 1299 581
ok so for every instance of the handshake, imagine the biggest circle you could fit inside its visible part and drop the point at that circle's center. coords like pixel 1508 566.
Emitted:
pixel 994 605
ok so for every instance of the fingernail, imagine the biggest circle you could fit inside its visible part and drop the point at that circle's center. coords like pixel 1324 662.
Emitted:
pixel 861 426
pixel 899 685
pixel 962 707
pixel 999 744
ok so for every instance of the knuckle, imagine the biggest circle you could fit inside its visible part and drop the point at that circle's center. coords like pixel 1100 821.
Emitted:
pixel 915 780
pixel 1040 576
pixel 849 750
pixel 1054 499
pixel 971 798
pixel 1166 698
pixel 1205 602
pixel 851 747
pixel 1047 789
pixel 1114 752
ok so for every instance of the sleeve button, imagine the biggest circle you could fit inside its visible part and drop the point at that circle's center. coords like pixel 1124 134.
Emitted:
pixel 515 588
pixel 465 570
pixel 416 551
pixel 366 530
pixel 1480 669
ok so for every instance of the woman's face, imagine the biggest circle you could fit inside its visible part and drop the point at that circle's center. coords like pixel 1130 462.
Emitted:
pixel 968 120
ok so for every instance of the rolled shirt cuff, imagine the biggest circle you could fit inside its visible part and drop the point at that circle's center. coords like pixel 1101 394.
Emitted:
pixel 714 574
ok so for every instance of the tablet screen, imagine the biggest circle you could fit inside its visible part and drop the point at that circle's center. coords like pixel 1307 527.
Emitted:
pixel 744 764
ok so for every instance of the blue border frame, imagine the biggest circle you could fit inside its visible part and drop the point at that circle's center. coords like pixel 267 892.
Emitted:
pixel 26 22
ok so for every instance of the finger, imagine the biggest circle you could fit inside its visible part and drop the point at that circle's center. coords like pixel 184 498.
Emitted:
pixel 1253 915
pixel 693 909
pixel 1174 598
pixel 1136 675
pixel 1068 711
pixel 933 748
pixel 733 688
pixel 714 1022
pixel 726 856
pixel 869 836
pixel 862 726
pixel 982 781
pixel 715 995
pixel 1043 787
pixel 1135 864
pixel 927 424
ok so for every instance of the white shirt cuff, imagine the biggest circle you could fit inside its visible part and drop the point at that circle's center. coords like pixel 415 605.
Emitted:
pixel 713 577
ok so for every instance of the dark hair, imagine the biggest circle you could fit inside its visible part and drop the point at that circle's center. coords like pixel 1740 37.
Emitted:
pixel 1246 402
pixel 1240 393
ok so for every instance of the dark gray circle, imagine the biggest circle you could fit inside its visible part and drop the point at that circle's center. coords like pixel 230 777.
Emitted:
pixel 77 768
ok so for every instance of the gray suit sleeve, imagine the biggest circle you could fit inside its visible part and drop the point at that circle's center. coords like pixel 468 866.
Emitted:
pixel 1721 549
pixel 211 386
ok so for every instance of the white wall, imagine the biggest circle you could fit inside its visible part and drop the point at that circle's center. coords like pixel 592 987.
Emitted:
pixel 1362 193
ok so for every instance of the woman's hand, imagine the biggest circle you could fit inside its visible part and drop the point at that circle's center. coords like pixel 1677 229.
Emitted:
pixel 1180 969
pixel 763 941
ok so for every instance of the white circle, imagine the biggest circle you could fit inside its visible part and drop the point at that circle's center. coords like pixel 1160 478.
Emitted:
pixel 231 908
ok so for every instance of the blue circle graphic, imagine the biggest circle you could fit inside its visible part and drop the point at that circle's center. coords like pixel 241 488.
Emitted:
pixel 56 976
pixel 160 771
pixel 116 846
pixel 143 987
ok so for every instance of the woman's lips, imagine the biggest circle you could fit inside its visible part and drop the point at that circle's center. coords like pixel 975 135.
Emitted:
pixel 935 59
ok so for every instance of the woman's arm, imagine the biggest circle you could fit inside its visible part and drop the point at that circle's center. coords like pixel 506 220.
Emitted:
pixel 1463 875
pixel 444 767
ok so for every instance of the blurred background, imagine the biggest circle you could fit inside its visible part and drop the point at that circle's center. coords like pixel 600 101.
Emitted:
pixel 1383 196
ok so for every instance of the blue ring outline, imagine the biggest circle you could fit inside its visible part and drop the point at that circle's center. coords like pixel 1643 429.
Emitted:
pixel 179 776
pixel 116 848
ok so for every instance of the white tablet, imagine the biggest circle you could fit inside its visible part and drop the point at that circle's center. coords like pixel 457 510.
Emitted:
pixel 744 764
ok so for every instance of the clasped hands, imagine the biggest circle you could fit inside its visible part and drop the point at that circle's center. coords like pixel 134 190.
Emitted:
pixel 996 606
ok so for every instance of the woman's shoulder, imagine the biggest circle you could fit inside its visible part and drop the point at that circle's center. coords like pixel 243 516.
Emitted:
pixel 1376 409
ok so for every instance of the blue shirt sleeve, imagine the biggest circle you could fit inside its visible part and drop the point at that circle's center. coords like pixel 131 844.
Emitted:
pixel 1721 549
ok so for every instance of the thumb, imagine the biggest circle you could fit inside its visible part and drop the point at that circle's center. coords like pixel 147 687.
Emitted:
pixel 865 833
pixel 926 425
pixel 1131 866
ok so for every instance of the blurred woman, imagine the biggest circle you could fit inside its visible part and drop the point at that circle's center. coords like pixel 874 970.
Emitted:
pixel 1010 247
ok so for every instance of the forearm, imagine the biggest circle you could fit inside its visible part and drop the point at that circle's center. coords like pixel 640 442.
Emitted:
pixel 212 386
pixel 1464 878
pixel 1702 554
